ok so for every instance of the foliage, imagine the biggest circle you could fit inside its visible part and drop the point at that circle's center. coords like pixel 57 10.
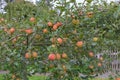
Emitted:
pixel 30 78
pixel 80 31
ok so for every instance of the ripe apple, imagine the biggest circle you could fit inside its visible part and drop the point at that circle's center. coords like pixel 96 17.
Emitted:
pixel 45 30
pixel 59 24
pixel 91 54
pixel 27 55
pixel 32 19
pixel 34 54
pixel 58 56
pixel 55 27
pixel 117 79
pixel 52 56
pixel 50 24
pixel 29 31
pixel 11 30
pixel 79 43
pixel 99 64
pixel 60 40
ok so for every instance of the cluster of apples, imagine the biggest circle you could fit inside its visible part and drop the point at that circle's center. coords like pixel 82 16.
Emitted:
pixel 76 21
pixel 58 40
pixel 57 56
pixel 12 30
pixel 54 26
pixel 99 64
pixel 29 55
pixel 9 31
pixel 90 53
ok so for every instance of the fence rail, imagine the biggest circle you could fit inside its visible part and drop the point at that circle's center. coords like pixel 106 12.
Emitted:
pixel 111 63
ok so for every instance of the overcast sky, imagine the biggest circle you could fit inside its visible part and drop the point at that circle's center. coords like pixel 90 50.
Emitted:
pixel 34 1
pixel 106 0
pixel 76 0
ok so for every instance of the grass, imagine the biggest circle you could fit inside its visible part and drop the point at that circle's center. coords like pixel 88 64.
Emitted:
pixel 31 78
pixel 37 78
pixel 99 79
pixel 1 77
pixel 44 78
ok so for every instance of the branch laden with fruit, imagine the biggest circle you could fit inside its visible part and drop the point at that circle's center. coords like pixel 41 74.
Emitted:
pixel 37 40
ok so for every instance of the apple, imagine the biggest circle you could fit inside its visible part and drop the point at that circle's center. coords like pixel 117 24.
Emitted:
pixel 60 40
pixel 91 54
pixel 27 55
pixel 50 24
pixel 99 64
pixel 58 56
pixel 11 30
pixel 52 57
pixel 79 43
pixel 34 54
pixel 32 19
pixel 117 79
pixel 45 30
pixel 29 31
pixel 95 39
pixel 55 27
pixel 59 24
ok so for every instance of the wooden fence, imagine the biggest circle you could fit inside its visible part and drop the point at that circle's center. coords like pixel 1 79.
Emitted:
pixel 111 63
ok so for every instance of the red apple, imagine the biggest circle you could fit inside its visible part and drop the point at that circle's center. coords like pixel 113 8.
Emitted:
pixel 52 56
pixel 79 43
pixel 60 40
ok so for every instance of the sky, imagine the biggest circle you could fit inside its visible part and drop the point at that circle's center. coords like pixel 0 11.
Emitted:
pixel 34 1
pixel 76 0
pixel 106 0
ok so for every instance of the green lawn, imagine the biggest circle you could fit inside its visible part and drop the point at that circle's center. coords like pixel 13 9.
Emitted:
pixel 37 78
pixel 1 77
pixel 44 78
